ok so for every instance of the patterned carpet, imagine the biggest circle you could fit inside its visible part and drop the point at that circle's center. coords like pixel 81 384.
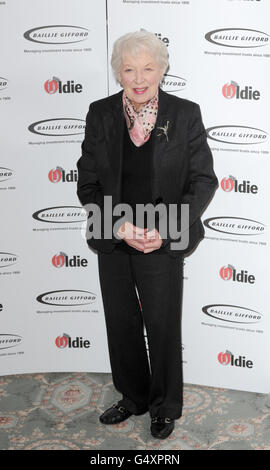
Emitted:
pixel 61 411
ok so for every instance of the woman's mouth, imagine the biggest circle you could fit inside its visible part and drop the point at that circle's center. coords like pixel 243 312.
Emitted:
pixel 139 91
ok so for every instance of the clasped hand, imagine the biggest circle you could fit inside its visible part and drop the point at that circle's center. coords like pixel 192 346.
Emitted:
pixel 140 238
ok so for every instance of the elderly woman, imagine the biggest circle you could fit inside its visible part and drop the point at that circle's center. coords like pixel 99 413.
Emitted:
pixel 144 146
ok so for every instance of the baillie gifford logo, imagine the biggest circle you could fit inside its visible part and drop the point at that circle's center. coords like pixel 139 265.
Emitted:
pixel 227 358
pixel 58 127
pixel 61 214
pixel 233 90
pixel 237 134
pixel 6 174
pixel 3 83
pixel 57 34
pixel 235 225
pixel 65 341
pixel 55 85
pixel 238 37
pixel 232 313
pixel 173 83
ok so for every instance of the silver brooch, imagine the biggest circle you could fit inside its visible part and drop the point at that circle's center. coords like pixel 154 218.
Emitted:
pixel 164 130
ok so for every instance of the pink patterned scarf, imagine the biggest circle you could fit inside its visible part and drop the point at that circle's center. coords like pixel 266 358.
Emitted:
pixel 140 123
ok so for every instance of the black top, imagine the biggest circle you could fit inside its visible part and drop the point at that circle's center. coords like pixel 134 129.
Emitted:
pixel 136 185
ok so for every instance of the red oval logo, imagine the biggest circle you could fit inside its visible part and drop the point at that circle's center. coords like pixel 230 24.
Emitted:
pixel 225 273
pixel 58 261
pixel 55 175
pixel 224 358
pixel 227 184
pixel 51 86
pixel 229 90
pixel 61 342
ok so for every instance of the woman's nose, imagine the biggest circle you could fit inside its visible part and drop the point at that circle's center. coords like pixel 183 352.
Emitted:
pixel 139 78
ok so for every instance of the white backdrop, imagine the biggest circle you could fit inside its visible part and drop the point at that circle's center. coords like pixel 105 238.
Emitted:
pixel 54 62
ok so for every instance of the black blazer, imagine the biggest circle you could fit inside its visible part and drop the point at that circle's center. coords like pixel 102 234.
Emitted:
pixel 181 169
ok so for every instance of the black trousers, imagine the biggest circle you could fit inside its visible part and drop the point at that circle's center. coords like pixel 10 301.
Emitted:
pixel 156 385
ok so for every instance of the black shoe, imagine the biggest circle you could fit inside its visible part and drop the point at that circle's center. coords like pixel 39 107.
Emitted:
pixel 161 427
pixel 115 414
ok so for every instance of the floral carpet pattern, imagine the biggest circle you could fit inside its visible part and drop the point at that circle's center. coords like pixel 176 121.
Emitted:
pixel 60 411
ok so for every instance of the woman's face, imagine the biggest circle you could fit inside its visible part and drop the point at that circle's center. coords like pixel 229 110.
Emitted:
pixel 140 77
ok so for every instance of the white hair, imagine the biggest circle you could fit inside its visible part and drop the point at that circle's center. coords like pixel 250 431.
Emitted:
pixel 135 42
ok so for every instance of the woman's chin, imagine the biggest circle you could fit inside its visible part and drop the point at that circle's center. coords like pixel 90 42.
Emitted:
pixel 141 100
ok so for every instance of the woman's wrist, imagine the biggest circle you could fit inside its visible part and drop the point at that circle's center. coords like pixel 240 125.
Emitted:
pixel 121 231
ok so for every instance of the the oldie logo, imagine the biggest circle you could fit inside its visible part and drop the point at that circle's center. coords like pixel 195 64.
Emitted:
pixel 67 297
pixel 7 259
pixel 5 174
pixel 63 260
pixel 238 135
pixel 233 90
pixel 61 214
pixel 3 83
pixel 173 83
pixel 238 37
pixel 232 313
pixel 227 358
pixel 231 184
pixel 9 341
pixel 65 341
pixel 235 225
pixel 162 38
pixel 58 127
pixel 55 85
pixel 57 34
pixel 58 174
pixel 229 273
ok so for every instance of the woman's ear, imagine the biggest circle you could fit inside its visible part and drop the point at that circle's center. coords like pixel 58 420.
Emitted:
pixel 161 77
pixel 119 78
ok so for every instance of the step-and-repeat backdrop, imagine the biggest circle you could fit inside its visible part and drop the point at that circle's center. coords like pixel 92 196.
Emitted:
pixel 55 60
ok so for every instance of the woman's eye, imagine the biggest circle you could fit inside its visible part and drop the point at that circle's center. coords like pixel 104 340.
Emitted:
pixel 128 70
pixel 148 68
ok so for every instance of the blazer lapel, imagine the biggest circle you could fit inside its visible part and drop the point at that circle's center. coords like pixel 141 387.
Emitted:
pixel 114 121
pixel 159 141
pixel 114 130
